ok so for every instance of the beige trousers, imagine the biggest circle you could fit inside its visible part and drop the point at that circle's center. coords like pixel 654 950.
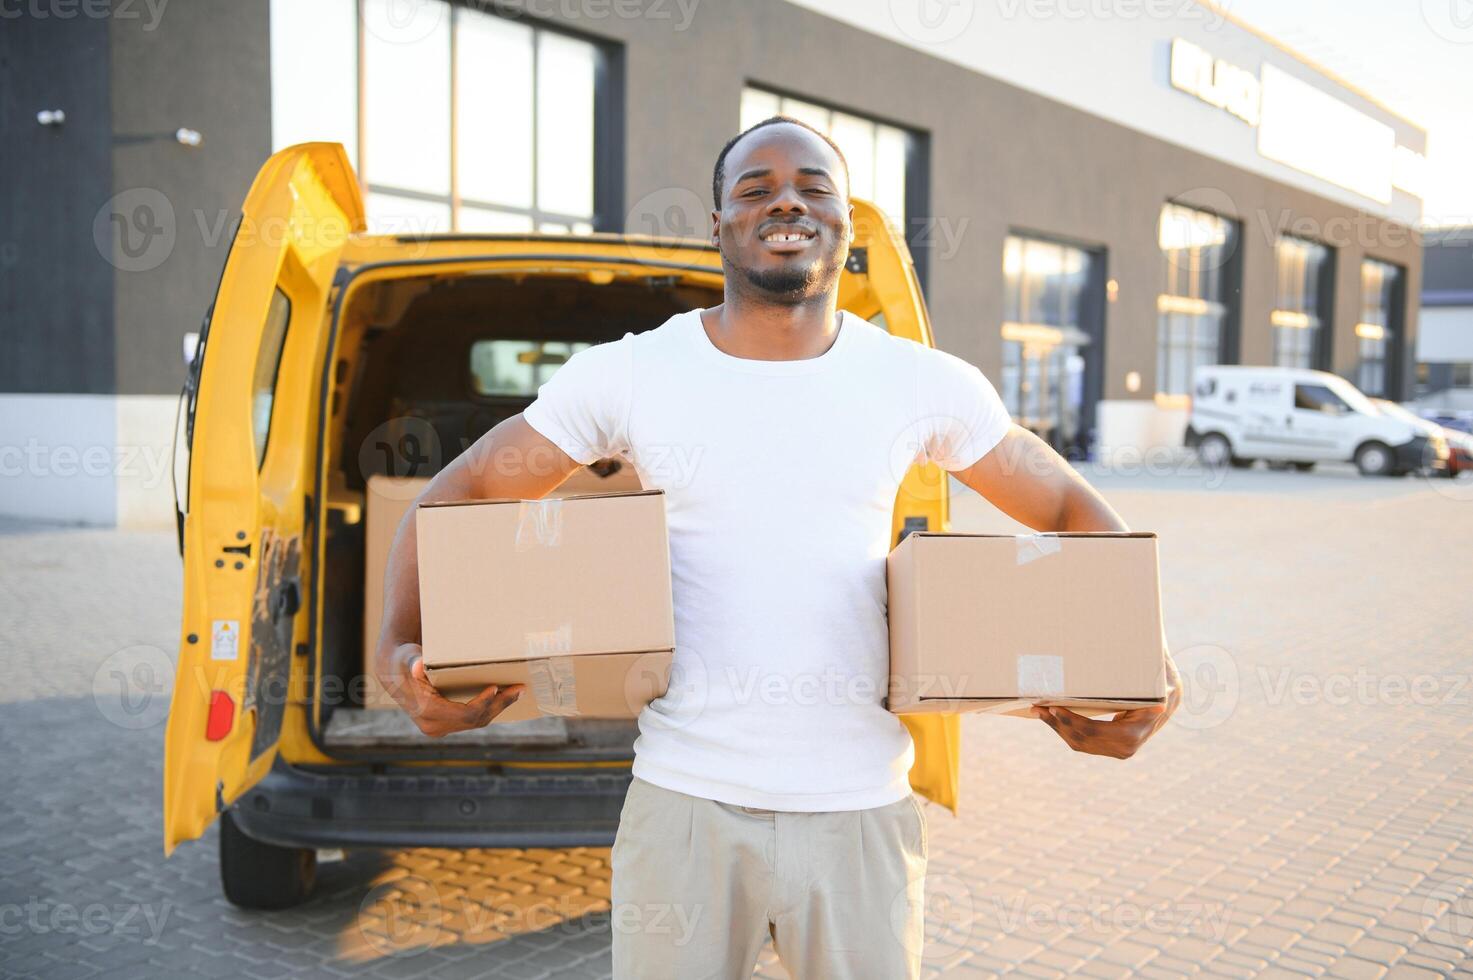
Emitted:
pixel 698 886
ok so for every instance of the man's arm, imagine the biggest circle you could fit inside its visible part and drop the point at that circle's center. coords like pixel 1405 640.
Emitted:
pixel 512 460
pixel 1024 478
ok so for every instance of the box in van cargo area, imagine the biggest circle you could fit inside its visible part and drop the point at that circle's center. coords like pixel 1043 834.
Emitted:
pixel 385 501
pixel 570 596
pixel 997 623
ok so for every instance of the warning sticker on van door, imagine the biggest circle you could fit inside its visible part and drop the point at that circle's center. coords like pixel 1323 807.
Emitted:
pixel 225 640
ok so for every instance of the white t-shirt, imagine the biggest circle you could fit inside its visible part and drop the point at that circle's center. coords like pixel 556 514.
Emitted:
pixel 780 479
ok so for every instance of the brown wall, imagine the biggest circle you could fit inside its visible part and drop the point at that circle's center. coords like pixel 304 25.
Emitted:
pixel 1001 159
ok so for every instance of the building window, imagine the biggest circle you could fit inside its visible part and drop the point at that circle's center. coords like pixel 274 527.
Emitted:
pixel 1198 248
pixel 1378 327
pixel 878 154
pixel 455 119
pixel 1045 334
pixel 1302 306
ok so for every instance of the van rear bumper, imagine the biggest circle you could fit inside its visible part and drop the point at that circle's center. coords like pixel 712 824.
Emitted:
pixel 298 807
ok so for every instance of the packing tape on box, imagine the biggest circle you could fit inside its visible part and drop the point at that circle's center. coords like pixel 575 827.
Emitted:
pixel 1040 676
pixel 547 643
pixel 539 524
pixel 553 685
pixel 1031 546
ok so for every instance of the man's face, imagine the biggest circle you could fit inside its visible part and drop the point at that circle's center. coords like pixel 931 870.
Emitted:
pixel 785 222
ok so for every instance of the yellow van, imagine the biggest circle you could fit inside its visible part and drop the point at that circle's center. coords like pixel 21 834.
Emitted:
pixel 330 356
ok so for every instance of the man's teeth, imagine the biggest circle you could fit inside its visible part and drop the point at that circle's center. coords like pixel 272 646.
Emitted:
pixel 785 237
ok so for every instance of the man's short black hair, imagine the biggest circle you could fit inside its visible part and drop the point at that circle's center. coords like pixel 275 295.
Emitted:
pixel 719 174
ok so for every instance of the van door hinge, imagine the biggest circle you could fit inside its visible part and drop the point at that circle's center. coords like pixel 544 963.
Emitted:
pixel 858 260
pixel 912 525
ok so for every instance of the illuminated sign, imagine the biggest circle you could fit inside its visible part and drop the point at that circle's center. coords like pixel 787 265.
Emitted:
pixel 1214 81
pixel 1302 126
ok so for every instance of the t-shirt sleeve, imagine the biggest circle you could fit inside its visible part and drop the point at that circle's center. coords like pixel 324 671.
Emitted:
pixel 960 416
pixel 584 407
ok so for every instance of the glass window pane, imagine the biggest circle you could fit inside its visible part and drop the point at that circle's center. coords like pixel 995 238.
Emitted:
pixel 517 367
pixel 757 105
pixel 493 133
pixel 814 115
pixel 856 138
pixel 553 228
pixel 407 100
pixel 565 80
pixel 389 214
pixel 890 152
pixel 314 73
pixel 493 222
pixel 268 361
pixel 1012 277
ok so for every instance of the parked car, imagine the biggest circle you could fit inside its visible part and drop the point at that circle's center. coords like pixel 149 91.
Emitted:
pixel 1458 443
pixel 329 356
pixel 1460 452
pixel 1299 417
pixel 1458 421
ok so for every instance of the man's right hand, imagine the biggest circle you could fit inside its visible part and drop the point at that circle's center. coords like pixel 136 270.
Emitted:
pixel 435 714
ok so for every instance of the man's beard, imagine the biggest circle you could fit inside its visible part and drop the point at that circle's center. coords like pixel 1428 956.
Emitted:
pixel 792 285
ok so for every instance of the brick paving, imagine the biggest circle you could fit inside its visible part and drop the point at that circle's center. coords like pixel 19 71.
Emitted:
pixel 1308 813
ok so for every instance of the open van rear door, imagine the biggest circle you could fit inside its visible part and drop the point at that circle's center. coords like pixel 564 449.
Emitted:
pixel 251 430
pixel 879 283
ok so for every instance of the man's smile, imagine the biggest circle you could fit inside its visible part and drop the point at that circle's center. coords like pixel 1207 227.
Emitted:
pixel 788 237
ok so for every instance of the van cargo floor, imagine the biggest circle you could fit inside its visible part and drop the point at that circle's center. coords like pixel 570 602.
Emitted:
pixel 364 728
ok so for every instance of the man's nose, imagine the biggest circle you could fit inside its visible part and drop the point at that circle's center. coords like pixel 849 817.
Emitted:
pixel 787 198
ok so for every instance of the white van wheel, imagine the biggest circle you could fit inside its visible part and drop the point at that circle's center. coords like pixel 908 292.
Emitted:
pixel 1373 459
pixel 1215 451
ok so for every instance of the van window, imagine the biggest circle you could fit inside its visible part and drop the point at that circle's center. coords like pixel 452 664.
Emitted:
pixel 268 362
pixel 1318 398
pixel 517 367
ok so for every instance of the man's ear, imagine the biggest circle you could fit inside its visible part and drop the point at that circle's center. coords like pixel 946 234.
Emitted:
pixel 716 228
pixel 851 224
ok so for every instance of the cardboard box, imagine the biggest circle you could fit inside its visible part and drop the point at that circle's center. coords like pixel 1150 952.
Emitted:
pixel 570 596
pixel 387 499
pixel 385 502
pixel 985 622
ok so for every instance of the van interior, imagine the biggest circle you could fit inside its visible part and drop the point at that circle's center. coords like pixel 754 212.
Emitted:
pixel 423 366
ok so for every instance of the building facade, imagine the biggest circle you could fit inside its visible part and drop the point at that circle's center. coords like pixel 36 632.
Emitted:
pixel 1097 202
pixel 1445 338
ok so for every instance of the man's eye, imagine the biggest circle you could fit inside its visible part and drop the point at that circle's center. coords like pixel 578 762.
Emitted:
pixel 754 191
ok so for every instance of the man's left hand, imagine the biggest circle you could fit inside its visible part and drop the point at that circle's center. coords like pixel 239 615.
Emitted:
pixel 1123 735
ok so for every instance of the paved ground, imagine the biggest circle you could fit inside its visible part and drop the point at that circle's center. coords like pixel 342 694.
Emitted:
pixel 1308 813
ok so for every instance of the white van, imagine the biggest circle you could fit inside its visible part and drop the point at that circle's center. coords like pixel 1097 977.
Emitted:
pixel 1301 417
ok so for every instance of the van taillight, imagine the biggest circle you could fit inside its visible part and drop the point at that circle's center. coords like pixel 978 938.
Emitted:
pixel 222 716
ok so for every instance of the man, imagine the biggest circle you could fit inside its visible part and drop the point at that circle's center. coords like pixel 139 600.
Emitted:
pixel 770 792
